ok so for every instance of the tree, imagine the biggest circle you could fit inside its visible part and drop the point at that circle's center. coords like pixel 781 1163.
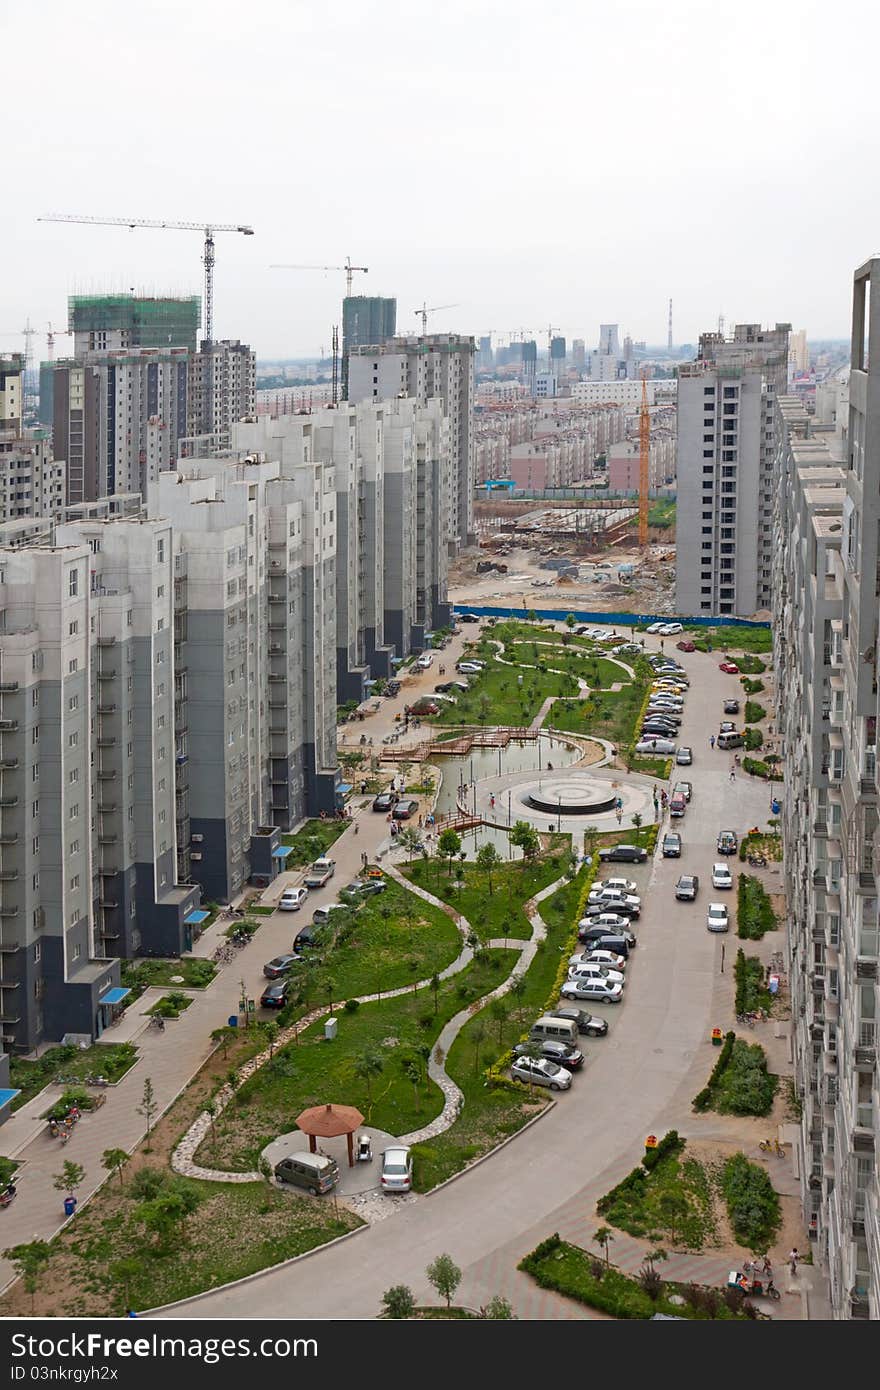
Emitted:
pixel 410 840
pixel 445 1275
pixel 211 1112
pixel 498 1013
pixel 426 779
pixel 637 824
pixel 517 989
pixel 499 1310
pixel 114 1160
pixel 531 616
pixel 435 988
pixel 71 1177
pixel 124 1272
pixel 479 1034
pixel 674 1209
pixel 399 1301
pixel 224 1036
pixel 448 845
pixel 570 621
pixel 165 1214
pixel 270 1032
pixel 591 840
pixel 525 837
pixel 604 1237
pixel 414 1071
pixel 147 1108
pixel 484 705
pixel 368 1065
pixel 29 1262
pixel 487 859
pixel 405 770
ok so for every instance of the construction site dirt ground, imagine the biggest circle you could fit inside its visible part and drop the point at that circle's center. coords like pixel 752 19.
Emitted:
pixel 527 585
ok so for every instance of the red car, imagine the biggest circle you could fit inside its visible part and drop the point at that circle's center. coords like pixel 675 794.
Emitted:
pixel 685 646
pixel 729 667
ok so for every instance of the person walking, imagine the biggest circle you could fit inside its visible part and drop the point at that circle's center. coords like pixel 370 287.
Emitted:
pixel 793 1258
pixel 711 740
pixel 619 815
pixel 733 774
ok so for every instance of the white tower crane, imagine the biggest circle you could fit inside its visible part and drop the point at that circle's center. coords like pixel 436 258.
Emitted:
pixel 348 268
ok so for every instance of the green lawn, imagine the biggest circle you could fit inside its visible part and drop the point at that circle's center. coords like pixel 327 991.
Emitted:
pixel 495 697
pixel 492 1113
pixel 500 912
pixel 101 1059
pixel 313 840
pixel 511 631
pixel 139 975
pixel 730 638
pixel 662 513
pixel 313 1071
pixel 390 940
pixel 104 1261
pixel 641 1206
pixel 612 715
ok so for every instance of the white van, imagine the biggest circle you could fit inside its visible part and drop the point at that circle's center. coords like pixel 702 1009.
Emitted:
pixel 562 1030
pixel 321 915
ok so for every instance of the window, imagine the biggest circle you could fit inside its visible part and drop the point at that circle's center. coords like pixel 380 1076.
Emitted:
pixel 74 811
pixel 130 813
pixel 35 698
pixel 38 951
pixel 706 530
pixel 74 847
pixel 161 817
pixel 35 808
pixel 160 591
pixel 35 734
pixel 35 844
pixel 730 393
pixel 73 775
pixel 129 617
pixel 72 666
pixel 35 882
pixel 72 583
pixel 72 740
pixel 708 390
pixel 74 883
pixel 160 624
pixel 160 551
pixel 72 629
pixel 35 772
pixel 161 753
pixel 77 950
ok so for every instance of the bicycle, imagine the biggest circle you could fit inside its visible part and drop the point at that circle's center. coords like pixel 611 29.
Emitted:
pixel 745 1018
pixel 157 1022
pixel 771 1146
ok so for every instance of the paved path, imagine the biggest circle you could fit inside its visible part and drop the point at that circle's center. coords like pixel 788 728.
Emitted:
pixel 638 1080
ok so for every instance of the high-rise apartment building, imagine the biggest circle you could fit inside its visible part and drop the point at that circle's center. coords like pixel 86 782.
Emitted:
pixel 726 450
pixel 11 392
pixel 440 365
pixel 825 647
pixel 120 416
pixel 31 480
pixel 578 354
pixel 798 352
pixel 114 322
pixel 366 319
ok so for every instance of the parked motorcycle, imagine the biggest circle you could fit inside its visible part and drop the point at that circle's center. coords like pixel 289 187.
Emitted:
pixel 757 861
pixel 7 1196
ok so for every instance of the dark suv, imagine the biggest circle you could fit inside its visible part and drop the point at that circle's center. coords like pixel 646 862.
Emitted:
pixel 275 996
pixel 584 1022
pixel 671 846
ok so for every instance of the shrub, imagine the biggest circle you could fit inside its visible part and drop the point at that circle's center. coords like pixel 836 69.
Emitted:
pixel 755 914
pixel 670 1143
pixel 752 738
pixel 752 1203
pixel 756 768
pixel 351 1006
pixel 746 1087
pixel 750 991
pixel 703 1099
pixel 752 687
pixel 147 1183
pixel 754 712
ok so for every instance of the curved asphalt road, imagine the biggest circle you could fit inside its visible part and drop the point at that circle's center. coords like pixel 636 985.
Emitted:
pixel 638 1080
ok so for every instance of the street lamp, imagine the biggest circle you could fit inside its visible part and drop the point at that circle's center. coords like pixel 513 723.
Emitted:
pixel 509 820
pixel 559 816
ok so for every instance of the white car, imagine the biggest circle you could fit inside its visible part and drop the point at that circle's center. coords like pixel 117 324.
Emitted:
pixel 721 876
pixel 595 989
pixel 671 629
pixel 717 918
pixel 425 661
pixel 585 970
pixel 655 627
pixel 655 745
pixel 292 899
pixel 469 668
pixel 619 885
pixel 613 898
pixel 539 1071
pixel 609 959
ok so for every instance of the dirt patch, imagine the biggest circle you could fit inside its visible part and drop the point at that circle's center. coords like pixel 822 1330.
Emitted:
pixel 792 1231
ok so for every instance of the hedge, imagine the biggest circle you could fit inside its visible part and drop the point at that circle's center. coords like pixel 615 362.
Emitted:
pixel 750 991
pixel 754 712
pixel 703 1099
pixel 752 1203
pixel 753 738
pixel 754 912
pixel 751 687
pixel 759 769
pixel 670 1142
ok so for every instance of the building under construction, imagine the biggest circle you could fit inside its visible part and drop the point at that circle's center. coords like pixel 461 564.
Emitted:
pixel 111 322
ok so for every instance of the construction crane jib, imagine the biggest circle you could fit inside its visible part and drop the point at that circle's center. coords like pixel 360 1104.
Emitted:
pixel 348 268
pixel 207 229
pixel 425 311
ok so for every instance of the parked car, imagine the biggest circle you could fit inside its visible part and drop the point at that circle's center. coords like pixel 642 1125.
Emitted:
pixel 585 1023
pixel 619 885
pixel 583 969
pixel 671 629
pixel 686 646
pixel 558 1052
pixel 597 989
pixel 655 627
pixel 726 727
pixel 597 918
pixel 730 667
pixel 655 745
pixel 594 928
pixel 686 789
pixel 467 618
pixel 423 707
pixel 468 668
pixel 721 876
pixel 629 904
pixel 405 809
pixel 671 846
pixel 320 872
pixel 274 969
pixel 623 854
pixel 425 661
pixel 610 959
pixel 305 941
pixel 687 888
pixel 717 918
pixel 384 801
pixel 677 804
pixel 731 706
pixel 365 888
pixel 275 996
pixel 684 757
pixel 397 1169
pixel 726 842
pixel 538 1071
pixel 292 899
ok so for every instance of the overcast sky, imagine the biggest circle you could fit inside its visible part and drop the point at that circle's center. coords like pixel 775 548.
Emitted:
pixel 559 161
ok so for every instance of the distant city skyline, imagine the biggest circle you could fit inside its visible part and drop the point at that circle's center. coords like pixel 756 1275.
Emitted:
pixel 430 163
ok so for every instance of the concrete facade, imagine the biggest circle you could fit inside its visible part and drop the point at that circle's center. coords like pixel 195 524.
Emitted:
pixel 440 365
pixel 726 450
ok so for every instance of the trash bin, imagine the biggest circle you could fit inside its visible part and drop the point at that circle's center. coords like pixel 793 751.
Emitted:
pixel 232 1021
pixel 329 1029
pixel 717 1036
pixel 69 1206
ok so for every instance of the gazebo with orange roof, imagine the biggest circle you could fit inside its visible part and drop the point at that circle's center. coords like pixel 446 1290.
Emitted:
pixel 328 1122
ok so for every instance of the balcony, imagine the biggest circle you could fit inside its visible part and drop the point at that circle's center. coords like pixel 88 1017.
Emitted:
pixel 108 903
pixel 8 726
pixel 108 808
pixel 106 709
pixel 865 1057
pixel 8 764
pixel 8 801
pixel 8 687
pixel 859 1307
pixel 11 839
pixel 106 641
pixel 8 875
pixel 107 675
pixel 106 742
pixel 108 839
pixel 8 911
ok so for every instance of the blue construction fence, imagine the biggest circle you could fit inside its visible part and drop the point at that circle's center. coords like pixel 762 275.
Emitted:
pixel 588 615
